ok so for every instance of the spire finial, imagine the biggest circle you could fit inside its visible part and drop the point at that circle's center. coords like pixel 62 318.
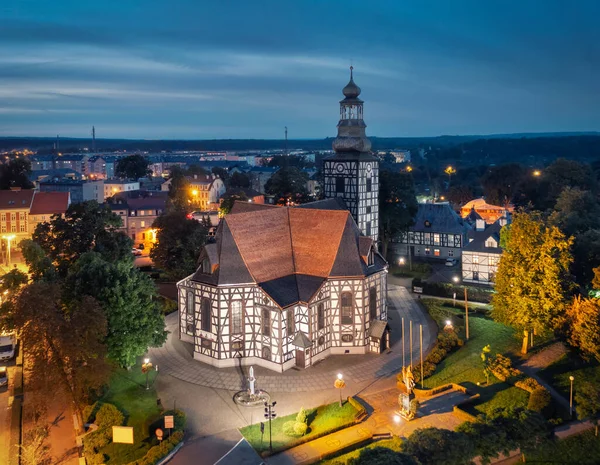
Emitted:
pixel 351 68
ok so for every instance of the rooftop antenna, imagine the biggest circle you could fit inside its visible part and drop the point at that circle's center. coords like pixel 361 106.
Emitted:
pixel 286 141
pixel 94 139
pixel 57 142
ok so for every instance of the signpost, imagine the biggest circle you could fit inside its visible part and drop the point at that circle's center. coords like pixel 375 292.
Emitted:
pixel 169 423
pixel 159 434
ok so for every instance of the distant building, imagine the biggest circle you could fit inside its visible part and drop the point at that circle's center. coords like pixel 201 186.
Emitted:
pixel 113 186
pixel 15 205
pixel 259 175
pixel 480 257
pixel 138 210
pixel 312 185
pixel 205 190
pixel 80 191
pixel 489 213
pixel 47 204
pixel 64 173
pixel 438 232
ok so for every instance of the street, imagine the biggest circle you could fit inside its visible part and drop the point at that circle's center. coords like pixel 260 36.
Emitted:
pixel 5 415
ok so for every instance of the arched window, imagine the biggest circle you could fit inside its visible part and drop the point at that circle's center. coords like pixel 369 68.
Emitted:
pixel 346 310
pixel 236 317
pixel 189 311
pixel 206 315
pixel 266 322
pixel 320 316
pixel 373 303
pixel 206 266
pixel 266 352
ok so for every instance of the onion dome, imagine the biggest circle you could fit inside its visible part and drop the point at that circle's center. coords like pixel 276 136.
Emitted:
pixel 351 90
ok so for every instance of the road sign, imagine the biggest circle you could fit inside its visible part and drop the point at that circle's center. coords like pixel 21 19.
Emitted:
pixel 418 290
pixel 169 422
pixel 123 434
pixel 159 434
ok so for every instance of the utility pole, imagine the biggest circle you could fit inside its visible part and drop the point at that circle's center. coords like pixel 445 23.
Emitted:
pixel 269 415
pixel 466 314
pixel 286 142
pixel 93 139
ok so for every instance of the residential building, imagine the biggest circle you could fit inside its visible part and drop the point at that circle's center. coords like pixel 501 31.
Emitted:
pixel 439 233
pixel 285 287
pixel 138 210
pixel 80 191
pixel 205 190
pixel 45 205
pixel 489 213
pixel 114 186
pixel 480 257
pixel 15 205
pixel 259 175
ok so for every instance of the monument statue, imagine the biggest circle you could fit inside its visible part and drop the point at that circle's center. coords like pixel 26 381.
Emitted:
pixel 251 381
pixel 408 379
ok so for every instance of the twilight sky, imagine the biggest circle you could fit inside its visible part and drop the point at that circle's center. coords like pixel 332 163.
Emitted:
pixel 202 69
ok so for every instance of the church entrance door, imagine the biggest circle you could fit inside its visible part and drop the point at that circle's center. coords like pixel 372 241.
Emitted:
pixel 300 358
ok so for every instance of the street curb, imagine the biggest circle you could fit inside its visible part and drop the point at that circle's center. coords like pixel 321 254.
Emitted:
pixel 171 454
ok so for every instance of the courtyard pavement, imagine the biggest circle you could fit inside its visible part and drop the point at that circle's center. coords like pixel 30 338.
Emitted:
pixel 175 357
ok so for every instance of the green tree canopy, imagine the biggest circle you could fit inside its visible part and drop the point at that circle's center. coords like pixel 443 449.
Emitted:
pixel 584 326
pixel 533 282
pixel 500 183
pixel 440 446
pixel 288 184
pixel 179 190
pixel 382 456
pixel 179 241
pixel 229 200
pixel 135 321
pixel 587 400
pixel 85 226
pixel 15 173
pixel 576 211
pixel 133 167
pixel 397 206
pixel 239 180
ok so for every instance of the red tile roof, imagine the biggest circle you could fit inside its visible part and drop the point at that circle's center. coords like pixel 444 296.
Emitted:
pixel 49 203
pixel 15 200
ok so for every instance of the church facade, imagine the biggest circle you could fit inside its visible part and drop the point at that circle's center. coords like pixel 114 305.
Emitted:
pixel 288 286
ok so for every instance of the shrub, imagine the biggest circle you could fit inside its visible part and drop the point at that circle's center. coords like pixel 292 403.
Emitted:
pixel 300 429
pixel 301 417
pixel 358 406
pixel 108 416
pixel 540 401
pixel 528 384
pixel 289 429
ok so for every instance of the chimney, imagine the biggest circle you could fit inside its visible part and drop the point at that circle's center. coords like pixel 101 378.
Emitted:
pixel 479 225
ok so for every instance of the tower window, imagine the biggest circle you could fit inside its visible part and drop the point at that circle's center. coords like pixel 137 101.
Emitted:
pixel 206 326
pixel 369 184
pixel 340 185
pixel 368 228
pixel 320 317
pixel 290 321
pixel 373 303
pixel 266 322
pixel 236 317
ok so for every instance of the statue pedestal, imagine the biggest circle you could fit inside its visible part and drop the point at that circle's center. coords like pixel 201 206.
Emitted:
pixel 404 401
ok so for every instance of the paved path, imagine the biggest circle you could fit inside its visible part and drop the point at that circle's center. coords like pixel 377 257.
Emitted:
pixel 174 357
pixel 434 411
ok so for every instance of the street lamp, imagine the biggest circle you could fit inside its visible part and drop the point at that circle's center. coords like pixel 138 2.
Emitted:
pixel 409 168
pixel 340 384
pixel 537 173
pixel 456 279
pixel 269 415
pixel 571 378
pixel 8 238
pixel 146 367
pixel 449 171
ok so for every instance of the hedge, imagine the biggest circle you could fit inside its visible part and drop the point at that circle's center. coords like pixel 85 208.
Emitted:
pixel 358 406
pixel 475 294
pixel 501 367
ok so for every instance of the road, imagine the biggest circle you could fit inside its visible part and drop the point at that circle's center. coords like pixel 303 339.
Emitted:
pixel 5 416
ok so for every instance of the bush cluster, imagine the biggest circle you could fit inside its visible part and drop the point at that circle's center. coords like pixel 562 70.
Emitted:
pixel 105 418
pixel 296 428
pixel 162 450
pixel 501 367
pixel 447 290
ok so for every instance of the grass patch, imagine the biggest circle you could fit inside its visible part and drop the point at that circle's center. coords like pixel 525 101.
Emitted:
pixel 419 270
pixel 127 391
pixel 394 444
pixel 464 365
pixel 496 396
pixel 570 364
pixel 582 449
pixel 321 420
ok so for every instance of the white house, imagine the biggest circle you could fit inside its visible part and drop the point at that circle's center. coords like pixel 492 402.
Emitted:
pixel 480 257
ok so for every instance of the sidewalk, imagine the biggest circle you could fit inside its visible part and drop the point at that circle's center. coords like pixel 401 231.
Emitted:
pixel 61 438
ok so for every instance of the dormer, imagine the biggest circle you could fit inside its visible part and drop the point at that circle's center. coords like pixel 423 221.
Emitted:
pixel 208 262
pixel 366 250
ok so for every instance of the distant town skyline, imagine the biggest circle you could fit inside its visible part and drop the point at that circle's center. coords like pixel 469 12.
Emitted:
pixel 203 70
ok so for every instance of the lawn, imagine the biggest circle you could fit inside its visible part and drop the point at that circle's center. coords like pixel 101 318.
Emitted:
pixel 394 444
pixel 464 365
pixel 497 395
pixel 582 449
pixel 557 374
pixel 321 420
pixel 127 392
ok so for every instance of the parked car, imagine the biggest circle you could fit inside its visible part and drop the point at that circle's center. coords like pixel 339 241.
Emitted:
pixel 3 376
pixel 451 261
pixel 136 252
pixel 8 343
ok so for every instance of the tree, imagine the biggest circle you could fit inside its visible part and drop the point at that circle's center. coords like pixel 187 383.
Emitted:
pixel 220 172
pixel 382 456
pixel 587 400
pixel 586 256
pixel 439 446
pixel 239 180
pixel 179 241
pixel 575 211
pixel 10 285
pixel 229 200
pixel 485 359
pixel 584 326
pixel 127 296
pixel 15 173
pixel 533 280
pixel 63 342
pixel 459 194
pixel 288 184
pixel 35 449
pixel 179 190
pixel 397 206
pixel 500 183
pixel 85 226
pixel 133 167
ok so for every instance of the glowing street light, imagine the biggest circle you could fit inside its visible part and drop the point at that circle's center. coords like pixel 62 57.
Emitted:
pixel 537 173
pixel 8 238
pixel 409 169
pixel 571 378
pixel 340 384
pixel 455 279
pixel 146 367
pixel 449 171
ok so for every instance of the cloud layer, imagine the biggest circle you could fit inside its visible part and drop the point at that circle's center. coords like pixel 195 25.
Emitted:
pixel 233 69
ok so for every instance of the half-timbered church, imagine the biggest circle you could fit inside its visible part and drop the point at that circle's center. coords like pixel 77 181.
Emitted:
pixel 288 286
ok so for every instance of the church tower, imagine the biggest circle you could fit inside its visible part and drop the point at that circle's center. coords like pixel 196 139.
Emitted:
pixel 352 173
